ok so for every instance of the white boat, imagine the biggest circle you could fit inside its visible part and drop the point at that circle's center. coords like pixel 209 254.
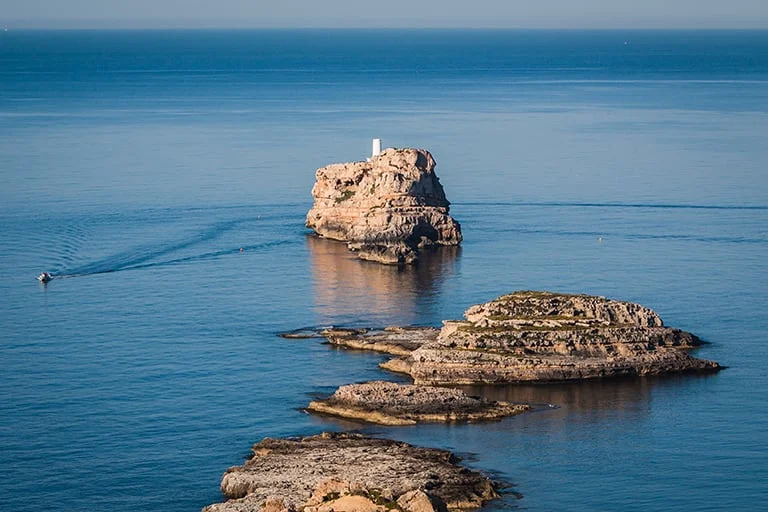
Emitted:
pixel 44 277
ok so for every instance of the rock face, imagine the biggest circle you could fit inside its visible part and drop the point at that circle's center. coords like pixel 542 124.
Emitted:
pixel 385 209
pixel 542 336
pixel 387 403
pixel 350 472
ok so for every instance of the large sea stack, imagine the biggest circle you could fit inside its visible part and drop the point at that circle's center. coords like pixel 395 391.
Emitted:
pixel 387 209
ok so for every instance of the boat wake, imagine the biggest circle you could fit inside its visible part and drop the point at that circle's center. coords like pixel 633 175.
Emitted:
pixel 144 263
pixel 166 255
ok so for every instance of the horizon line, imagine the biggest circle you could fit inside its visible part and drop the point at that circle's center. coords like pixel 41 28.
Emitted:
pixel 10 26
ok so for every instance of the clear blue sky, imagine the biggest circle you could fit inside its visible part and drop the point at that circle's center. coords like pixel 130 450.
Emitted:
pixel 392 13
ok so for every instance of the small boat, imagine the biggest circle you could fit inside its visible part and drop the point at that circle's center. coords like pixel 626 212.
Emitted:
pixel 44 277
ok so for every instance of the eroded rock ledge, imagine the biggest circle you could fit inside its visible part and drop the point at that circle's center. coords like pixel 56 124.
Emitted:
pixel 386 209
pixel 394 340
pixel 398 341
pixel 387 403
pixel 532 336
pixel 343 472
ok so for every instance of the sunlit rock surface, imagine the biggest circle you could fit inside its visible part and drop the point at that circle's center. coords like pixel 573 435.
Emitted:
pixel 533 336
pixel 388 403
pixel 386 209
pixel 350 472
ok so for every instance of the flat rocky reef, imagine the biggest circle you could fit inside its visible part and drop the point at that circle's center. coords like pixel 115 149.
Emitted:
pixel 397 341
pixel 388 403
pixel 531 336
pixel 343 472
pixel 394 340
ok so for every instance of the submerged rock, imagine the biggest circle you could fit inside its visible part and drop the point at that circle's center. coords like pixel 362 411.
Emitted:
pixel 350 472
pixel 387 403
pixel 386 209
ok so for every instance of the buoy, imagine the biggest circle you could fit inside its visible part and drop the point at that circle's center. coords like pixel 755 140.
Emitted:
pixel 242 250
pixel 599 239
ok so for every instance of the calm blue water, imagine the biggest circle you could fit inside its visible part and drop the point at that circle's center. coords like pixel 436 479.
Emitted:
pixel 140 162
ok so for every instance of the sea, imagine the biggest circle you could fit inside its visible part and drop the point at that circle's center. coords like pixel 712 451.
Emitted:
pixel 135 165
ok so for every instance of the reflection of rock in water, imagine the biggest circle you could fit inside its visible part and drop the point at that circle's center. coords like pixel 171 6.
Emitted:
pixel 588 395
pixel 349 290
pixel 610 396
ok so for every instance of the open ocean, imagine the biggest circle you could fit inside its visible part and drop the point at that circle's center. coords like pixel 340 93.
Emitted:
pixel 139 162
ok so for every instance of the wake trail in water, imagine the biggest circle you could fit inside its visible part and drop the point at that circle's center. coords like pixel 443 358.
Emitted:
pixel 178 261
pixel 147 257
pixel 638 236
pixel 71 240
pixel 619 205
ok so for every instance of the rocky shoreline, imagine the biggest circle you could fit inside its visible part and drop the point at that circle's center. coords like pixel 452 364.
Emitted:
pixel 388 403
pixel 344 472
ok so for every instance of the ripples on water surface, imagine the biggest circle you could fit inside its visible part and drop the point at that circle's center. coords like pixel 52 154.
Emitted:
pixel 136 381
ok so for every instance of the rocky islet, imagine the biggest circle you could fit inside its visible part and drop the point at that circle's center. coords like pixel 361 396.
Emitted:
pixel 388 403
pixel 386 209
pixel 533 336
pixel 347 472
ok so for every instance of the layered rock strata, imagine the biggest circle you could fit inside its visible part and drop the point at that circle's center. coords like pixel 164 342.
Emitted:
pixel 386 209
pixel 343 472
pixel 542 337
pixel 387 403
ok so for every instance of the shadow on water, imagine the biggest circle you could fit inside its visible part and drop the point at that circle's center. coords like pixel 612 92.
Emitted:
pixel 349 290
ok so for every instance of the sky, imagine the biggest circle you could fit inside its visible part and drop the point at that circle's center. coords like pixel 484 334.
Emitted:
pixel 391 13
